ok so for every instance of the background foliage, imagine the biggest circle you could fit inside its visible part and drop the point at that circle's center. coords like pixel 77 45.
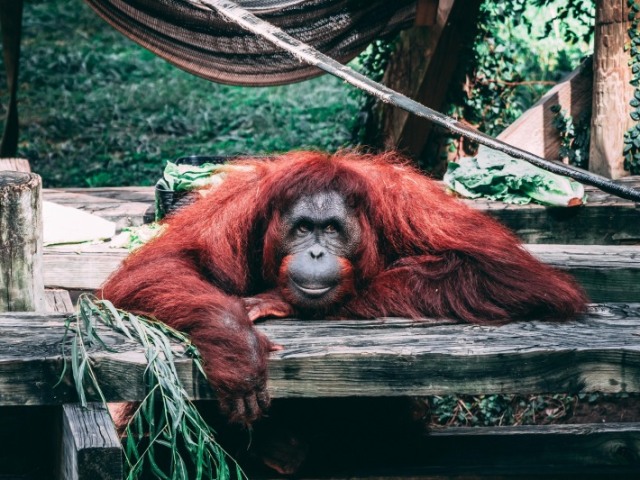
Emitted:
pixel 96 109
pixel 522 49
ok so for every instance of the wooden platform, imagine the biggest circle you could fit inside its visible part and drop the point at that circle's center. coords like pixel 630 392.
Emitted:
pixel 605 220
pixel 609 273
pixel 381 358
pixel 598 243
pixel 386 357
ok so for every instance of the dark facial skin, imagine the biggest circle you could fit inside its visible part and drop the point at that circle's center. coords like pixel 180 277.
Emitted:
pixel 321 235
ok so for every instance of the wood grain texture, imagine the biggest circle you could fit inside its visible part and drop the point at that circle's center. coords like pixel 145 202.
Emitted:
pixel 124 206
pixel 611 89
pixel 426 13
pixel 534 131
pixel 550 449
pixel 608 273
pixel 359 358
pixel 422 68
pixel 15 164
pixel 80 267
pixel 58 301
pixel 604 220
pixel 90 447
pixel 21 277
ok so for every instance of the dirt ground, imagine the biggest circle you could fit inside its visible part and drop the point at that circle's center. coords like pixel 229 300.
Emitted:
pixel 606 409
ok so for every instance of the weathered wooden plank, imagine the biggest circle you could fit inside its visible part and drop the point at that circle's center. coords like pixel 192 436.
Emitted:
pixel 609 273
pixel 15 165
pixel 58 301
pixel 127 208
pixel 359 358
pixel 21 281
pixel 540 451
pixel 80 267
pixel 125 194
pixel 550 449
pixel 90 447
pixel 534 130
pixel 604 220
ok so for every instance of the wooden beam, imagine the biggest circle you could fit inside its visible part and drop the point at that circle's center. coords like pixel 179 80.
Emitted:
pixel 594 450
pixel 80 267
pixel 422 68
pixel 604 220
pixel 125 206
pixel 534 131
pixel 608 273
pixel 58 301
pixel 589 451
pixel 391 357
pixel 426 13
pixel 611 89
pixel 90 448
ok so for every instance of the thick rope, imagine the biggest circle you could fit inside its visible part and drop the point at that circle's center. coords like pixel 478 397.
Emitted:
pixel 307 54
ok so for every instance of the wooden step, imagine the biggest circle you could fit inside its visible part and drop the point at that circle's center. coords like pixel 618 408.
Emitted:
pixel 609 273
pixel 392 357
pixel 604 220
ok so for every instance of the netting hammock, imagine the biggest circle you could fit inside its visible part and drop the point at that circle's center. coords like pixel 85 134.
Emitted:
pixel 203 43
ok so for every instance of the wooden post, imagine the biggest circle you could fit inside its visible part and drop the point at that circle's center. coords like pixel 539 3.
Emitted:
pixel 90 448
pixel 426 13
pixel 611 89
pixel 21 276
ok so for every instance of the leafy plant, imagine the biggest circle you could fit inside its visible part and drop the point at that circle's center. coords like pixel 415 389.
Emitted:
pixel 165 419
pixel 499 410
pixel 519 52
pixel 574 136
pixel 631 149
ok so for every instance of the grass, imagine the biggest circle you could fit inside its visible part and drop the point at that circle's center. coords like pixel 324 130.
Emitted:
pixel 98 110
